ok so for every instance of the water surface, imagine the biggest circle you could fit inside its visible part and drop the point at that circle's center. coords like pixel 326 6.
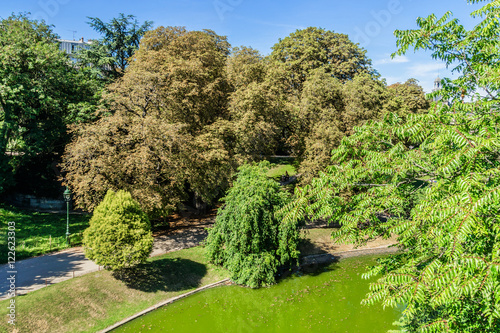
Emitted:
pixel 326 301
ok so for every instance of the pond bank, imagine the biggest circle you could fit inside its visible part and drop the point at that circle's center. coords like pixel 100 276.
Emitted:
pixel 308 263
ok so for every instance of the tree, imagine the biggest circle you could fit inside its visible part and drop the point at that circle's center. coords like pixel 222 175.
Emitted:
pixel 119 234
pixel 110 55
pixel 257 105
pixel 248 238
pixel 330 110
pixel 159 143
pixel 40 94
pixel 311 48
pixel 431 179
pixel 406 98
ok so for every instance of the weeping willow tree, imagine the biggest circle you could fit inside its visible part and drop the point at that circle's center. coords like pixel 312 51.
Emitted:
pixel 434 181
pixel 248 237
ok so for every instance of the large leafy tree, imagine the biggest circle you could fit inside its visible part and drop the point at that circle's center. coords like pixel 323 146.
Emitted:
pixel 433 180
pixel 307 49
pixel 160 143
pixel 40 94
pixel 248 237
pixel 109 55
pixel 257 105
pixel 329 110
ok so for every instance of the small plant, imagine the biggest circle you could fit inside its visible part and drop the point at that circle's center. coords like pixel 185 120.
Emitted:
pixel 119 235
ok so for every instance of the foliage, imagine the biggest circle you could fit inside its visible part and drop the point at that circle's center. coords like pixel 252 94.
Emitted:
pixel 38 233
pixel 257 106
pixel 406 98
pixel 329 110
pixel 119 234
pixel 307 49
pixel 431 179
pixel 160 143
pixel 40 94
pixel 248 237
pixel 109 56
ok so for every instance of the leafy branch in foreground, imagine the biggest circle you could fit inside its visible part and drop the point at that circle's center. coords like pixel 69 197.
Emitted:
pixel 432 180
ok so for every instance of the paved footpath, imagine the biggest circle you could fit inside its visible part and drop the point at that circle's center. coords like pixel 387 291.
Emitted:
pixel 34 273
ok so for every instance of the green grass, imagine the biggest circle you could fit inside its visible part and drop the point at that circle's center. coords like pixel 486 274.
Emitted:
pixel 279 170
pixel 37 233
pixel 94 301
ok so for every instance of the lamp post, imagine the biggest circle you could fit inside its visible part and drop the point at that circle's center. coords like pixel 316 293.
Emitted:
pixel 67 198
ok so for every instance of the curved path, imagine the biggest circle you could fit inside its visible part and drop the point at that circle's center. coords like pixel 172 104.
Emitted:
pixel 184 232
pixel 35 273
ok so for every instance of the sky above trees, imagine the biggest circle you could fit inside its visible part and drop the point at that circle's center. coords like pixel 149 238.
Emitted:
pixel 260 24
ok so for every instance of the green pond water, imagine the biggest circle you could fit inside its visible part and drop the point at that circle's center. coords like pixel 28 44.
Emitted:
pixel 325 301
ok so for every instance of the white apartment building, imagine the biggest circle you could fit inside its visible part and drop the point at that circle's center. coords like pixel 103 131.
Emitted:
pixel 72 46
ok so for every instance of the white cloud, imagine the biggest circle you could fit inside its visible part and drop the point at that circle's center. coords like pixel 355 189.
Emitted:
pixel 395 60
pixel 429 69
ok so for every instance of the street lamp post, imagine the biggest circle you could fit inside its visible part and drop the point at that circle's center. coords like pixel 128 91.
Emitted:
pixel 67 198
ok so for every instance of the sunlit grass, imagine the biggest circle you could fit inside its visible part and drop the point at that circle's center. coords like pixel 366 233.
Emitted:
pixel 97 300
pixel 37 233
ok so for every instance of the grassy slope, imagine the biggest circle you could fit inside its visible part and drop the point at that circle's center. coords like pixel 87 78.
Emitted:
pixel 34 231
pixel 98 300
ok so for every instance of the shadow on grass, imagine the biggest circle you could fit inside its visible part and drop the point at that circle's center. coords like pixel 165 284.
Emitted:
pixel 307 248
pixel 169 274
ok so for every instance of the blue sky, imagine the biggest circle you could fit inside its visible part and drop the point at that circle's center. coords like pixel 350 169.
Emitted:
pixel 260 24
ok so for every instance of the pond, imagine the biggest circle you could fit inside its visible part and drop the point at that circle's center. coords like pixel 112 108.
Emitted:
pixel 325 301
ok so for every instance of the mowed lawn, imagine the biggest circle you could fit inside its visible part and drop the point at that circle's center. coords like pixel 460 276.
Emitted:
pixel 95 301
pixel 37 233
pixel 281 165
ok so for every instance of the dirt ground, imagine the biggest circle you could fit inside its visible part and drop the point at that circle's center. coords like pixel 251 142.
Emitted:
pixel 187 229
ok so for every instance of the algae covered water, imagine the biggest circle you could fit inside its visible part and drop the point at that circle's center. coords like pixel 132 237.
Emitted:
pixel 325 301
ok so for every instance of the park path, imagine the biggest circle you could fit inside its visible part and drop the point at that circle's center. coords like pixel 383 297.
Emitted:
pixel 184 231
pixel 35 273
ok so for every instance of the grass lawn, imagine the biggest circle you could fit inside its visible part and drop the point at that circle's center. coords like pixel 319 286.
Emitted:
pixel 279 170
pixel 37 233
pixel 95 301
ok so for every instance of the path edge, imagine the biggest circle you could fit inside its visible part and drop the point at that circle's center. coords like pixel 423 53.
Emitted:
pixel 163 303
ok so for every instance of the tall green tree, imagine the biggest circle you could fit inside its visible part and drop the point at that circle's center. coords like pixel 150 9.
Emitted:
pixel 307 49
pixel 40 94
pixel 248 237
pixel 432 180
pixel 109 55
pixel 160 142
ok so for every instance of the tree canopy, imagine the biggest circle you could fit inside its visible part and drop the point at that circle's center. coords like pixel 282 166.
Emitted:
pixel 40 94
pixel 110 55
pixel 160 142
pixel 307 49
pixel 432 180
pixel 248 237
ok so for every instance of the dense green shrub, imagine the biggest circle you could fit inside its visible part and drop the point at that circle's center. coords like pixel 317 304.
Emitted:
pixel 119 235
pixel 248 237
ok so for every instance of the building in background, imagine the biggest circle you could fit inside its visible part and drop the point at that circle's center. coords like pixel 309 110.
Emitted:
pixel 437 87
pixel 72 46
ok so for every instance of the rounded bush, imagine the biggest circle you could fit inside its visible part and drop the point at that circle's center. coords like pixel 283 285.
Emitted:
pixel 119 235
